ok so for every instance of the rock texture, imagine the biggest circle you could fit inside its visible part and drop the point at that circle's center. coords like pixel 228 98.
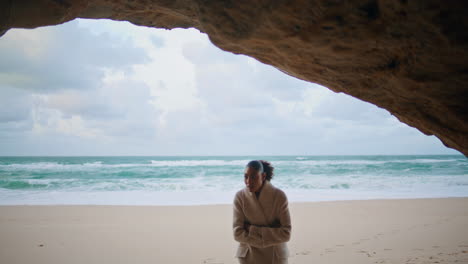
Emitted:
pixel 409 56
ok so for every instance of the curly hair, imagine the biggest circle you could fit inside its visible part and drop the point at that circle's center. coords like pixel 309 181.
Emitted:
pixel 268 169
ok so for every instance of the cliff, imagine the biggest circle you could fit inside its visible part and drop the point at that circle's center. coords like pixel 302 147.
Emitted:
pixel 409 57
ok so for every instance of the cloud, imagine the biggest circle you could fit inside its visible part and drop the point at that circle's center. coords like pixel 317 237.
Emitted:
pixel 111 88
pixel 64 57
pixel 16 105
pixel 158 42
pixel 71 82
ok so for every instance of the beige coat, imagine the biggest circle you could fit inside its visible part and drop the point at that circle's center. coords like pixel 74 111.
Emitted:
pixel 265 242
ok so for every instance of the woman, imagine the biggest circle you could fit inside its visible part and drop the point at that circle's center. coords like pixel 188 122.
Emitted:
pixel 261 220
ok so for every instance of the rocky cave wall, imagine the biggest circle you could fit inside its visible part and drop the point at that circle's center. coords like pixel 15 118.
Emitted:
pixel 409 56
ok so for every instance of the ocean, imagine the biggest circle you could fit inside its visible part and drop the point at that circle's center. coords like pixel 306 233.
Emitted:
pixel 194 180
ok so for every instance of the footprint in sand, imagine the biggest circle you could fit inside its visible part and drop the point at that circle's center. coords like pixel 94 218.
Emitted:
pixel 328 250
pixel 378 235
pixel 212 261
pixel 305 252
pixel 365 252
pixel 381 261
pixel 443 220
pixel 410 260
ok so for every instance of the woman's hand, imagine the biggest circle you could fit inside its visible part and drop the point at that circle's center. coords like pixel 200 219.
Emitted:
pixel 276 223
pixel 247 226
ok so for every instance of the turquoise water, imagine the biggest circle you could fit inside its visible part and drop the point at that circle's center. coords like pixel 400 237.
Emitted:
pixel 215 179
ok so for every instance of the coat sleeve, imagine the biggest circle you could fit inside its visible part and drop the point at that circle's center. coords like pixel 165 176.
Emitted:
pixel 278 234
pixel 240 234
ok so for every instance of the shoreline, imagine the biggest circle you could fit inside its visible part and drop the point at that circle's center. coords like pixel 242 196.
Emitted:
pixel 226 203
pixel 415 230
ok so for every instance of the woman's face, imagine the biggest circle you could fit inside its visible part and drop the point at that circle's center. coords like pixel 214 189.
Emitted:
pixel 253 179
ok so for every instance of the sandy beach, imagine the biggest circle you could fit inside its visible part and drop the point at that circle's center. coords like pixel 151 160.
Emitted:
pixel 431 230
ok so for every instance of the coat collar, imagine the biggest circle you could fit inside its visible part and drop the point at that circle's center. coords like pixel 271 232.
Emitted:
pixel 265 192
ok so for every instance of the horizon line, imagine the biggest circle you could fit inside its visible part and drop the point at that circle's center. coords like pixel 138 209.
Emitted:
pixel 289 155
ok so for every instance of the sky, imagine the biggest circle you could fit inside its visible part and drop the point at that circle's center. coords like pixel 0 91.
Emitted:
pixel 102 87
